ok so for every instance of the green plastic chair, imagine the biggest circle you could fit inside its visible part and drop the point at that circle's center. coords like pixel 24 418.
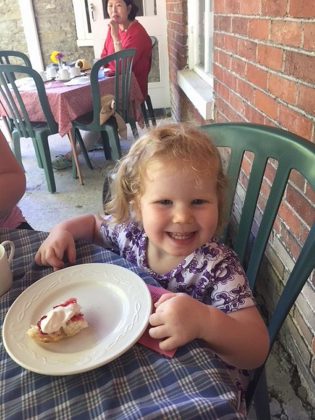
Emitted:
pixel 21 125
pixel 109 130
pixel 291 153
pixel 13 57
pixel 146 106
pixel 18 57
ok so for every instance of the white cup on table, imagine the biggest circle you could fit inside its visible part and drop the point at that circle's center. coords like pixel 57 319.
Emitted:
pixel 74 71
pixel 63 74
pixel 51 72
pixel 6 257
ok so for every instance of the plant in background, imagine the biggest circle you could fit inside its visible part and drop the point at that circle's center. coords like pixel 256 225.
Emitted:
pixel 56 57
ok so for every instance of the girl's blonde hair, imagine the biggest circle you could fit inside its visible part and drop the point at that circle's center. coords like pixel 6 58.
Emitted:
pixel 182 143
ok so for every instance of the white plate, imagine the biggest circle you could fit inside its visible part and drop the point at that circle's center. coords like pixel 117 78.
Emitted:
pixel 80 80
pixel 115 301
pixel 25 84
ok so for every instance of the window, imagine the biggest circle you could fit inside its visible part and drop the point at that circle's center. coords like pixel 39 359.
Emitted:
pixel 83 23
pixel 200 38
pixel 197 81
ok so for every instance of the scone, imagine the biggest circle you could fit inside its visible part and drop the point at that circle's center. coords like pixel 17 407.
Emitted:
pixel 64 320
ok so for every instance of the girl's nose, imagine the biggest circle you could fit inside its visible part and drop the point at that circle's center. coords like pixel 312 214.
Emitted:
pixel 182 214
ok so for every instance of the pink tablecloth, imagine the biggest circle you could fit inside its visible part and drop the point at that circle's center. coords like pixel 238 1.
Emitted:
pixel 70 102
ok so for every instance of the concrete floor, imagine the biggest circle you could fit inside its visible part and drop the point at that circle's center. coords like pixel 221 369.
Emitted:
pixel 43 210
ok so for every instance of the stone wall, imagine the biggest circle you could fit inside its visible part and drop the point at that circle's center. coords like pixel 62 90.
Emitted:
pixel 11 27
pixel 56 29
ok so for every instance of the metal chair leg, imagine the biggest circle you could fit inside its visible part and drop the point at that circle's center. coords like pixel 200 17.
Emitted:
pixel 150 109
pixel 106 146
pixel 145 114
pixel 79 138
pixel 134 129
pixel 43 150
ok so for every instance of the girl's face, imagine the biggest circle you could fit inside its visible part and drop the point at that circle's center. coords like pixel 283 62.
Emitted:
pixel 178 209
pixel 118 11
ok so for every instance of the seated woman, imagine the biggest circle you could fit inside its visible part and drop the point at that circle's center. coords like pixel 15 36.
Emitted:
pixel 124 32
pixel 12 188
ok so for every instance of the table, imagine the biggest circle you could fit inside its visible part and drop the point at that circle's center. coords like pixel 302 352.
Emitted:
pixel 70 102
pixel 141 383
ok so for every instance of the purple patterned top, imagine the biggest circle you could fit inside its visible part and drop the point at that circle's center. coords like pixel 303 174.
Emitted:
pixel 212 273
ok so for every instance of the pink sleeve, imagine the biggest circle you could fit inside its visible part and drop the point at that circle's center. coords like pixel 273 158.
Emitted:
pixel 13 220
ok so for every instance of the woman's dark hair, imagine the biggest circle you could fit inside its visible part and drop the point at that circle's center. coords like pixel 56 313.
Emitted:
pixel 133 11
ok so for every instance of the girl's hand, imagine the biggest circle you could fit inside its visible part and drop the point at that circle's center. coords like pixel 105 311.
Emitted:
pixel 177 320
pixel 52 251
pixel 240 338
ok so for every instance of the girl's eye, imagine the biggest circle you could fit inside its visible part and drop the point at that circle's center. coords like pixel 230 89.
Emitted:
pixel 165 202
pixel 198 202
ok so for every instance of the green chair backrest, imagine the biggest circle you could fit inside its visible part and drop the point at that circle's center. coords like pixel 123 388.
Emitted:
pixel 14 57
pixel 12 99
pixel 123 62
pixel 290 152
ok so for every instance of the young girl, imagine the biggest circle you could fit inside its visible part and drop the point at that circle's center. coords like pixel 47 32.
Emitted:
pixel 166 208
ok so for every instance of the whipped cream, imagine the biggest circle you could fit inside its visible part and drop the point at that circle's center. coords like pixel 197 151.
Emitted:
pixel 58 317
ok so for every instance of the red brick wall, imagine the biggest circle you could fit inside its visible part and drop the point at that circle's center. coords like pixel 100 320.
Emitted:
pixel 264 73
pixel 264 63
pixel 264 70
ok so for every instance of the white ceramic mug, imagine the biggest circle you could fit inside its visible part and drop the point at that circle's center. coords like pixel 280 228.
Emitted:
pixel 63 74
pixel 74 71
pixel 6 275
pixel 43 75
pixel 51 72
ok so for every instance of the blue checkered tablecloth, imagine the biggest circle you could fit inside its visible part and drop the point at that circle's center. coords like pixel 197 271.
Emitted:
pixel 140 384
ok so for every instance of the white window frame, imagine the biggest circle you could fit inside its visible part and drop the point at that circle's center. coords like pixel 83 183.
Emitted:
pixel 197 80
pixel 193 39
pixel 84 37
pixel 31 34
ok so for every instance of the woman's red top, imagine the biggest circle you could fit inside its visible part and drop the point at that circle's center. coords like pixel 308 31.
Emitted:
pixel 134 37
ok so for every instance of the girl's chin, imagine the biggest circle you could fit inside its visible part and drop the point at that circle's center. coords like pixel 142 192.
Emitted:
pixel 180 249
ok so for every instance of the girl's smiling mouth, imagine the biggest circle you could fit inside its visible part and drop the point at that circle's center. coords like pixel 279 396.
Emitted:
pixel 181 236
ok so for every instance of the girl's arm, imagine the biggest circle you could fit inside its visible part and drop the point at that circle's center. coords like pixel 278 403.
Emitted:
pixel 240 338
pixel 12 179
pixel 61 240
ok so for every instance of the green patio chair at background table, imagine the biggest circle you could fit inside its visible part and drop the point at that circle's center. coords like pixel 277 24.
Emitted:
pixel 20 122
pixel 250 239
pixel 13 57
pixel 91 122
pixel 146 106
